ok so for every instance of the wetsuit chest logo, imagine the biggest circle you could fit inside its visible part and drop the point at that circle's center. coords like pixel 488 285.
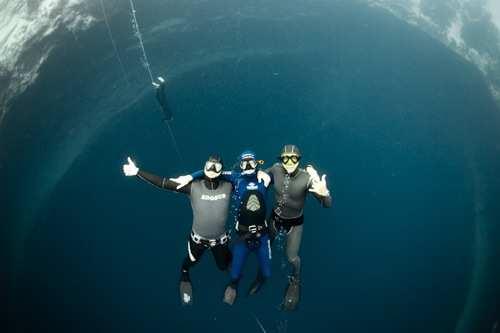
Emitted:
pixel 213 197
pixel 252 186
pixel 253 203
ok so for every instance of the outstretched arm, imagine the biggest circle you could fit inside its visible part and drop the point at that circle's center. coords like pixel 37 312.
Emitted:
pixel 130 169
pixel 163 182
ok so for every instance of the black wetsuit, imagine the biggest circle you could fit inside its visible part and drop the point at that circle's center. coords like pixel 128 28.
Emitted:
pixel 161 97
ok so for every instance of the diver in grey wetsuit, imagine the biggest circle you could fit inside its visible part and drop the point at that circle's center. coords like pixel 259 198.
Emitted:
pixel 291 185
pixel 210 199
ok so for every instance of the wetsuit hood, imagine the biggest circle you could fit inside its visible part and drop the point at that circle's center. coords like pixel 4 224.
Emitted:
pixel 290 150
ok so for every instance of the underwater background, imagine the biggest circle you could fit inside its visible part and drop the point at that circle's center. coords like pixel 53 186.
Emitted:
pixel 406 130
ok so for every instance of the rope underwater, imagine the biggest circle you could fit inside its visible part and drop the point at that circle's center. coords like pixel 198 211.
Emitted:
pixel 174 141
pixel 110 35
pixel 137 33
pixel 145 62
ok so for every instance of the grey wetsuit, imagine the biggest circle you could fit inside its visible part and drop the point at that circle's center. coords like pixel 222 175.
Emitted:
pixel 210 208
pixel 290 193
pixel 210 204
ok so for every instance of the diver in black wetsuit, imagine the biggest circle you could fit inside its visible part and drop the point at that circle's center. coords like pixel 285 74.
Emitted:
pixel 210 197
pixel 161 97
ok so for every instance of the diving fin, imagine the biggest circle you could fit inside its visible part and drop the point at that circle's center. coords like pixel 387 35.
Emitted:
pixel 229 295
pixel 292 295
pixel 186 292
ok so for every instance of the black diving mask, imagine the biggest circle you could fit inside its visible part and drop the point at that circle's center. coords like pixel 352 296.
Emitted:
pixel 286 158
pixel 248 164
pixel 213 166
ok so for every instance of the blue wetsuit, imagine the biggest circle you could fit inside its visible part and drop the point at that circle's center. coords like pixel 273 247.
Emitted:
pixel 251 225
pixel 250 196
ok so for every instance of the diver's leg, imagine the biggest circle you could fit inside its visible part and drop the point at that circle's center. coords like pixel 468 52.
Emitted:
pixel 222 256
pixel 195 251
pixel 292 293
pixel 273 229
pixel 293 240
pixel 264 256
pixel 240 254
pixel 259 279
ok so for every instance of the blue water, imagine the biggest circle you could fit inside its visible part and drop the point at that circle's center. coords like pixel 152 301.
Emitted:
pixel 390 115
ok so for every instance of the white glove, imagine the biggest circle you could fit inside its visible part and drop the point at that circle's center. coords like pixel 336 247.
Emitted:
pixel 182 180
pixel 319 187
pixel 263 177
pixel 130 169
pixel 313 173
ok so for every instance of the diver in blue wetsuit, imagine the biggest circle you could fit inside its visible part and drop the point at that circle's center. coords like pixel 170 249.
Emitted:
pixel 251 224
pixel 250 190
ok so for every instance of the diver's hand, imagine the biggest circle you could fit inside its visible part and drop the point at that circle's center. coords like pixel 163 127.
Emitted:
pixel 313 173
pixel 182 180
pixel 130 169
pixel 263 177
pixel 319 187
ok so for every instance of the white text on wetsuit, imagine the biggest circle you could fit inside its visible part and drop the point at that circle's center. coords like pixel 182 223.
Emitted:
pixel 213 197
